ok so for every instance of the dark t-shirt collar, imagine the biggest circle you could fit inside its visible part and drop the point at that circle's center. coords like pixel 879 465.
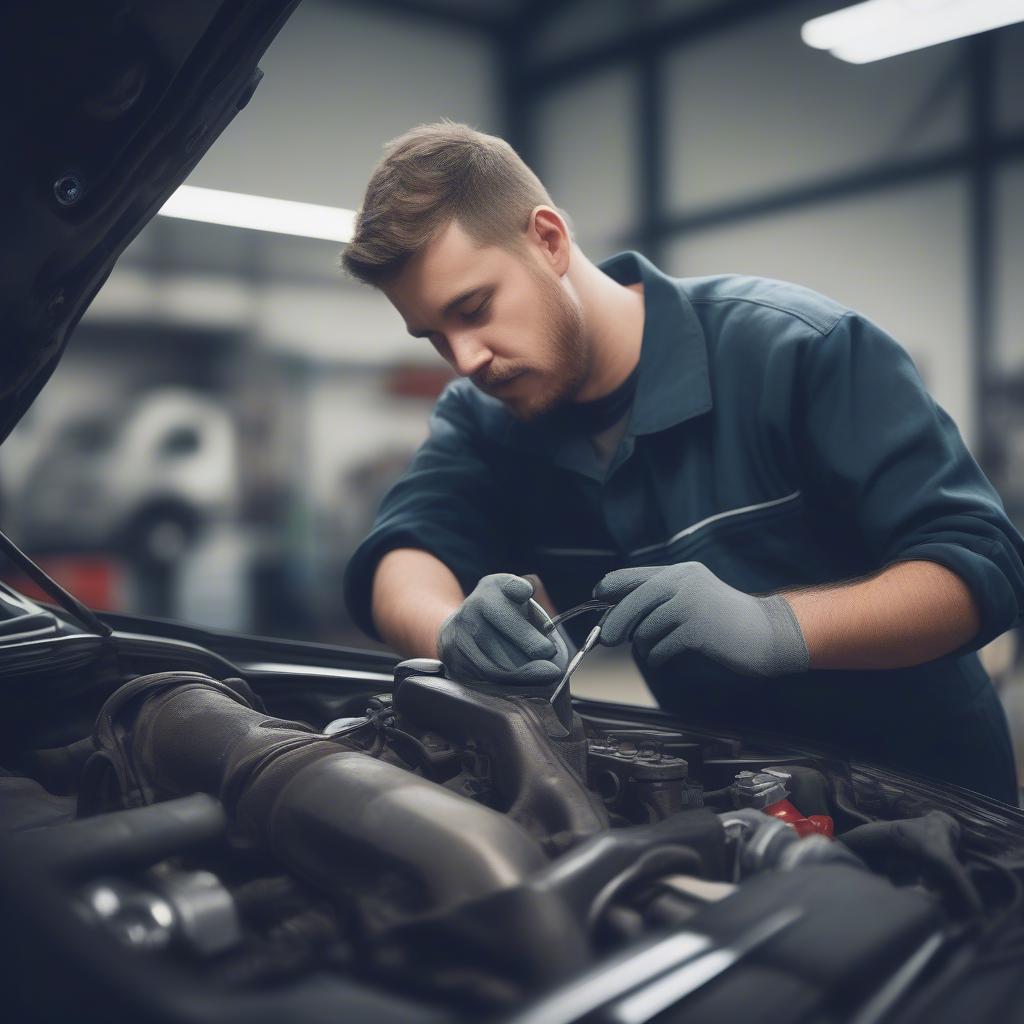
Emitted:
pixel 599 414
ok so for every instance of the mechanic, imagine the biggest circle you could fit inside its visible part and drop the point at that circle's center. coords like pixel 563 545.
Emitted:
pixel 797 538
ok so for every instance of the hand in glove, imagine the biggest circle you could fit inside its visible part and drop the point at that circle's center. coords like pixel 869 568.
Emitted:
pixel 493 636
pixel 668 609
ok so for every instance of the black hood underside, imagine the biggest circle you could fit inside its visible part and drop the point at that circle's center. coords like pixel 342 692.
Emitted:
pixel 107 107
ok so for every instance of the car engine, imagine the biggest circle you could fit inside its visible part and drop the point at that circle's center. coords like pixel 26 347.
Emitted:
pixel 433 850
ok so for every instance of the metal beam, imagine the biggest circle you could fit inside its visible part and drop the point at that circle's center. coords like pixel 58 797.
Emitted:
pixel 959 158
pixel 473 18
pixel 651 148
pixel 533 15
pixel 652 38
pixel 980 58
pixel 516 108
pixel 526 15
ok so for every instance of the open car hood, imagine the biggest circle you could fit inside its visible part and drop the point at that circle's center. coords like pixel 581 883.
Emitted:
pixel 108 106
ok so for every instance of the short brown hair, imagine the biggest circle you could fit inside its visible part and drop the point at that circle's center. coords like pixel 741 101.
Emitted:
pixel 430 176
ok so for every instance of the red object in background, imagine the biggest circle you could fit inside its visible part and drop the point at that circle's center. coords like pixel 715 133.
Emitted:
pixel 417 381
pixel 816 824
pixel 94 579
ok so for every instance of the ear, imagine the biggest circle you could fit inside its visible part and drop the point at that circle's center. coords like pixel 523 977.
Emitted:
pixel 549 234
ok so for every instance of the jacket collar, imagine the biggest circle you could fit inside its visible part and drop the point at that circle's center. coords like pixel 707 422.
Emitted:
pixel 673 385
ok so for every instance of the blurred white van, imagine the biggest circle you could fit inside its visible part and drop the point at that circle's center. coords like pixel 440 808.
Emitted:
pixel 141 481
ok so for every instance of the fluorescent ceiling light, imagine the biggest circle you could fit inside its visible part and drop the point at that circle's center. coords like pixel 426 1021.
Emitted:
pixel 883 28
pixel 260 213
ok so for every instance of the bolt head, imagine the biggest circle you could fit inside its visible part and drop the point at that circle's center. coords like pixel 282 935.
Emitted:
pixel 68 189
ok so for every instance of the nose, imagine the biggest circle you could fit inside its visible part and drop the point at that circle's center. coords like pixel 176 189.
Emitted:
pixel 469 354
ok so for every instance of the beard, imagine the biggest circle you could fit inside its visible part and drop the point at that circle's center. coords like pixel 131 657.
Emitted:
pixel 569 356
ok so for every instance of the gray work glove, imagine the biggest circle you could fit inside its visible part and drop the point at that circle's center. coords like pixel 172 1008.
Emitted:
pixel 668 609
pixel 493 636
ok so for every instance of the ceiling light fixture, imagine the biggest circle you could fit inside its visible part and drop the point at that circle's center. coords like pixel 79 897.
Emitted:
pixel 282 216
pixel 883 28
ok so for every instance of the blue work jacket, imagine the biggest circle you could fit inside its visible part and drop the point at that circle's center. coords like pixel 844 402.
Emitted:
pixel 781 439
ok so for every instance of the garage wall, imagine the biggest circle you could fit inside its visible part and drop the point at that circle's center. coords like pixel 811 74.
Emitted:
pixel 1009 282
pixel 340 81
pixel 754 109
pixel 1010 78
pixel 587 157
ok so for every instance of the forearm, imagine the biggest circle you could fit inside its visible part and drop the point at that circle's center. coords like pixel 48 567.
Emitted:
pixel 908 614
pixel 413 593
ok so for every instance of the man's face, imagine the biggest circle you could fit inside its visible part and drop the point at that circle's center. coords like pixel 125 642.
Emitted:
pixel 499 317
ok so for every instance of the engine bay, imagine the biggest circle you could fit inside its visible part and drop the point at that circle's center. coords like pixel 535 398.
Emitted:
pixel 432 850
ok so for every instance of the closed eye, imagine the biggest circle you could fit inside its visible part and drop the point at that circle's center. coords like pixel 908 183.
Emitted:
pixel 473 314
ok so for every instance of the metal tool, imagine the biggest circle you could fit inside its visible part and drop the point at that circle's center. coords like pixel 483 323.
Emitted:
pixel 546 624
pixel 588 645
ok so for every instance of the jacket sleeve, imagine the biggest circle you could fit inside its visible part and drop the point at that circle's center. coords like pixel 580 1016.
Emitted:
pixel 893 461
pixel 447 503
